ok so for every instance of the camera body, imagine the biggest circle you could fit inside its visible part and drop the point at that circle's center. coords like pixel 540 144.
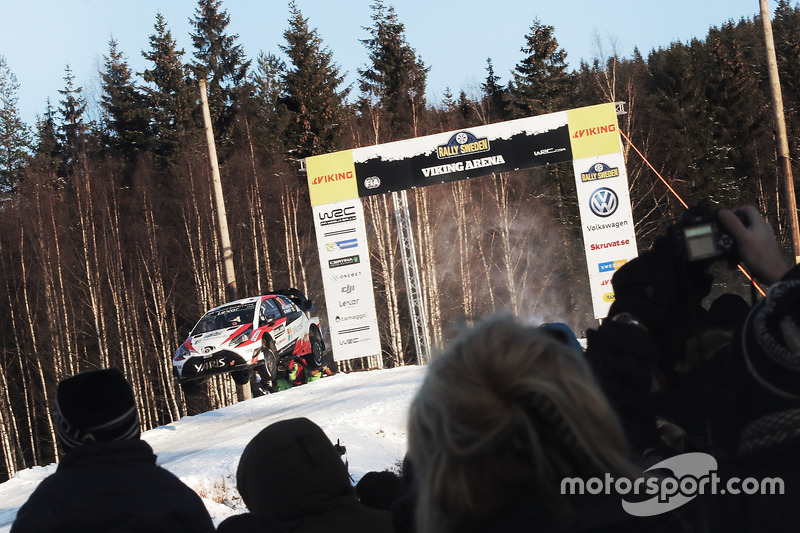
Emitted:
pixel 699 237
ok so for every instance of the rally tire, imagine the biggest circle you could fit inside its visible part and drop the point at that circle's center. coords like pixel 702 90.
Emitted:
pixel 192 388
pixel 268 370
pixel 316 358
pixel 241 377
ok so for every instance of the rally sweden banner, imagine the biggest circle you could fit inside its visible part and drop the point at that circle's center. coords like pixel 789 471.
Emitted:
pixel 586 136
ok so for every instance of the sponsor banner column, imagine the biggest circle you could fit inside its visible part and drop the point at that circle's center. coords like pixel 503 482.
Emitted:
pixel 607 223
pixel 343 256
pixel 602 185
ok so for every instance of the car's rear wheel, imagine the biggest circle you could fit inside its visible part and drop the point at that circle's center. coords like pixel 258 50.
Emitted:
pixel 316 358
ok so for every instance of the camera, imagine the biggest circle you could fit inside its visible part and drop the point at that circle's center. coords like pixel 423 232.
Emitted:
pixel 699 237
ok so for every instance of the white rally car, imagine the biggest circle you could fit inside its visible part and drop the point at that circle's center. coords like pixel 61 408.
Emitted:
pixel 251 334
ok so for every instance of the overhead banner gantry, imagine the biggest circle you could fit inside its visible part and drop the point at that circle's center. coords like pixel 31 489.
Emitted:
pixel 587 136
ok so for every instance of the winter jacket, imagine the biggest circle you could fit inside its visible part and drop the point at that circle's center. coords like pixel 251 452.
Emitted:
pixel 291 471
pixel 112 487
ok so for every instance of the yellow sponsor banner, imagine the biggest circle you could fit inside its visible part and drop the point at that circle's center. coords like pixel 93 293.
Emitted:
pixel 331 178
pixel 593 130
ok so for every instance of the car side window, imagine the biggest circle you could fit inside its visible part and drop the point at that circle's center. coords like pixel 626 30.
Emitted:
pixel 268 308
pixel 289 309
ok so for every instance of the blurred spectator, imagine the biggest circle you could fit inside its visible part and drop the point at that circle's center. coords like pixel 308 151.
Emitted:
pixel 564 333
pixel 108 479
pixel 490 446
pixel 251 523
pixel 292 471
pixel 379 489
pixel 757 376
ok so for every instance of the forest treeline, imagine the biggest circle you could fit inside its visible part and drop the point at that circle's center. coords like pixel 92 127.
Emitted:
pixel 109 251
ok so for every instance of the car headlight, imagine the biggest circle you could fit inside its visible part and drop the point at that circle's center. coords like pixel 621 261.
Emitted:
pixel 182 353
pixel 243 337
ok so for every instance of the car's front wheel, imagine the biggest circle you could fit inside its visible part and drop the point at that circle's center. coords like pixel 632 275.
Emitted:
pixel 241 377
pixel 192 388
pixel 268 370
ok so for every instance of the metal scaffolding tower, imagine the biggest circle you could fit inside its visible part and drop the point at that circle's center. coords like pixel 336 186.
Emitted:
pixel 411 271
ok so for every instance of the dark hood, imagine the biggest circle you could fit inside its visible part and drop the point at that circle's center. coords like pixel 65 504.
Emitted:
pixel 291 469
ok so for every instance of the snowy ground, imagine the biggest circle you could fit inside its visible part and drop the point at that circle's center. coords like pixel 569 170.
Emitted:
pixel 366 411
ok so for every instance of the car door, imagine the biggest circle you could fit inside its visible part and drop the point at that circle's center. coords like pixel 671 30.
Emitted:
pixel 271 318
pixel 295 324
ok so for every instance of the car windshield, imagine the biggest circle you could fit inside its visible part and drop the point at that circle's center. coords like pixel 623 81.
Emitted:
pixel 225 318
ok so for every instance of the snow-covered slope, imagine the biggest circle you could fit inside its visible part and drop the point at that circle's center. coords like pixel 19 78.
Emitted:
pixel 366 411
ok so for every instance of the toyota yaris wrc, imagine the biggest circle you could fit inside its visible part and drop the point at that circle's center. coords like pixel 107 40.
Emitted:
pixel 252 334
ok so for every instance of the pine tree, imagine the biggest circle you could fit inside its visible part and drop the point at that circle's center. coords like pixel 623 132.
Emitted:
pixel 72 130
pixel 14 134
pixel 495 97
pixel 47 151
pixel 170 96
pixel 541 82
pixel 221 62
pixel 269 91
pixel 394 83
pixel 127 117
pixel 315 105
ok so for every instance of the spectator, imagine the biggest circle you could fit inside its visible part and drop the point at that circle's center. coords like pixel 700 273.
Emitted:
pixel 564 333
pixel 503 415
pixel 761 369
pixel 107 479
pixel 292 471
pixel 251 523
pixel 379 489
pixel 764 372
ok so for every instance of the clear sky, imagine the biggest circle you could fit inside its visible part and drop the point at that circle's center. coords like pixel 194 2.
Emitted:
pixel 40 37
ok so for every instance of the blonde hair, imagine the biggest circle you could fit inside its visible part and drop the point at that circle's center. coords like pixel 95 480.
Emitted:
pixel 506 410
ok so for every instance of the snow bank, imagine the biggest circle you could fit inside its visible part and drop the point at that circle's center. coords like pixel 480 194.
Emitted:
pixel 365 411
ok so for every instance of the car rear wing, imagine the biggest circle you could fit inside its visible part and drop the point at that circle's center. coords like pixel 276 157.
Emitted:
pixel 295 296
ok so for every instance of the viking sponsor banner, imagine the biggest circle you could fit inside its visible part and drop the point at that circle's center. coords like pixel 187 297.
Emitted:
pixel 347 279
pixel 607 222
pixel 593 131
pixel 331 178
pixel 462 154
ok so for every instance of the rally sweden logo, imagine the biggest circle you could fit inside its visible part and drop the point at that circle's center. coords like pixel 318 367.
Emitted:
pixel 599 171
pixel 603 202
pixel 462 143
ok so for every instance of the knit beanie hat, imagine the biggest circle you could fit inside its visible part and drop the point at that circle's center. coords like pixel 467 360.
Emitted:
pixel 765 354
pixel 95 406
pixel 563 333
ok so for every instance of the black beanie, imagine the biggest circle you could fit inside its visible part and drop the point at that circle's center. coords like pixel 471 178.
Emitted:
pixel 95 406
pixel 765 353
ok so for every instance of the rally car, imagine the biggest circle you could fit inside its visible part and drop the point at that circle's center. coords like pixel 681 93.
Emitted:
pixel 247 335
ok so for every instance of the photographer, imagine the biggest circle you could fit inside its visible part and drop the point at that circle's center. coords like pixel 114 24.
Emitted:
pixel 637 348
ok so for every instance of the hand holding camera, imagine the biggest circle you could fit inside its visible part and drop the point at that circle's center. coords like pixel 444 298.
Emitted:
pixel 756 243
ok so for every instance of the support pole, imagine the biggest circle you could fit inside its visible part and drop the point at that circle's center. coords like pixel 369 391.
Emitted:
pixel 780 126
pixel 243 392
pixel 231 293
